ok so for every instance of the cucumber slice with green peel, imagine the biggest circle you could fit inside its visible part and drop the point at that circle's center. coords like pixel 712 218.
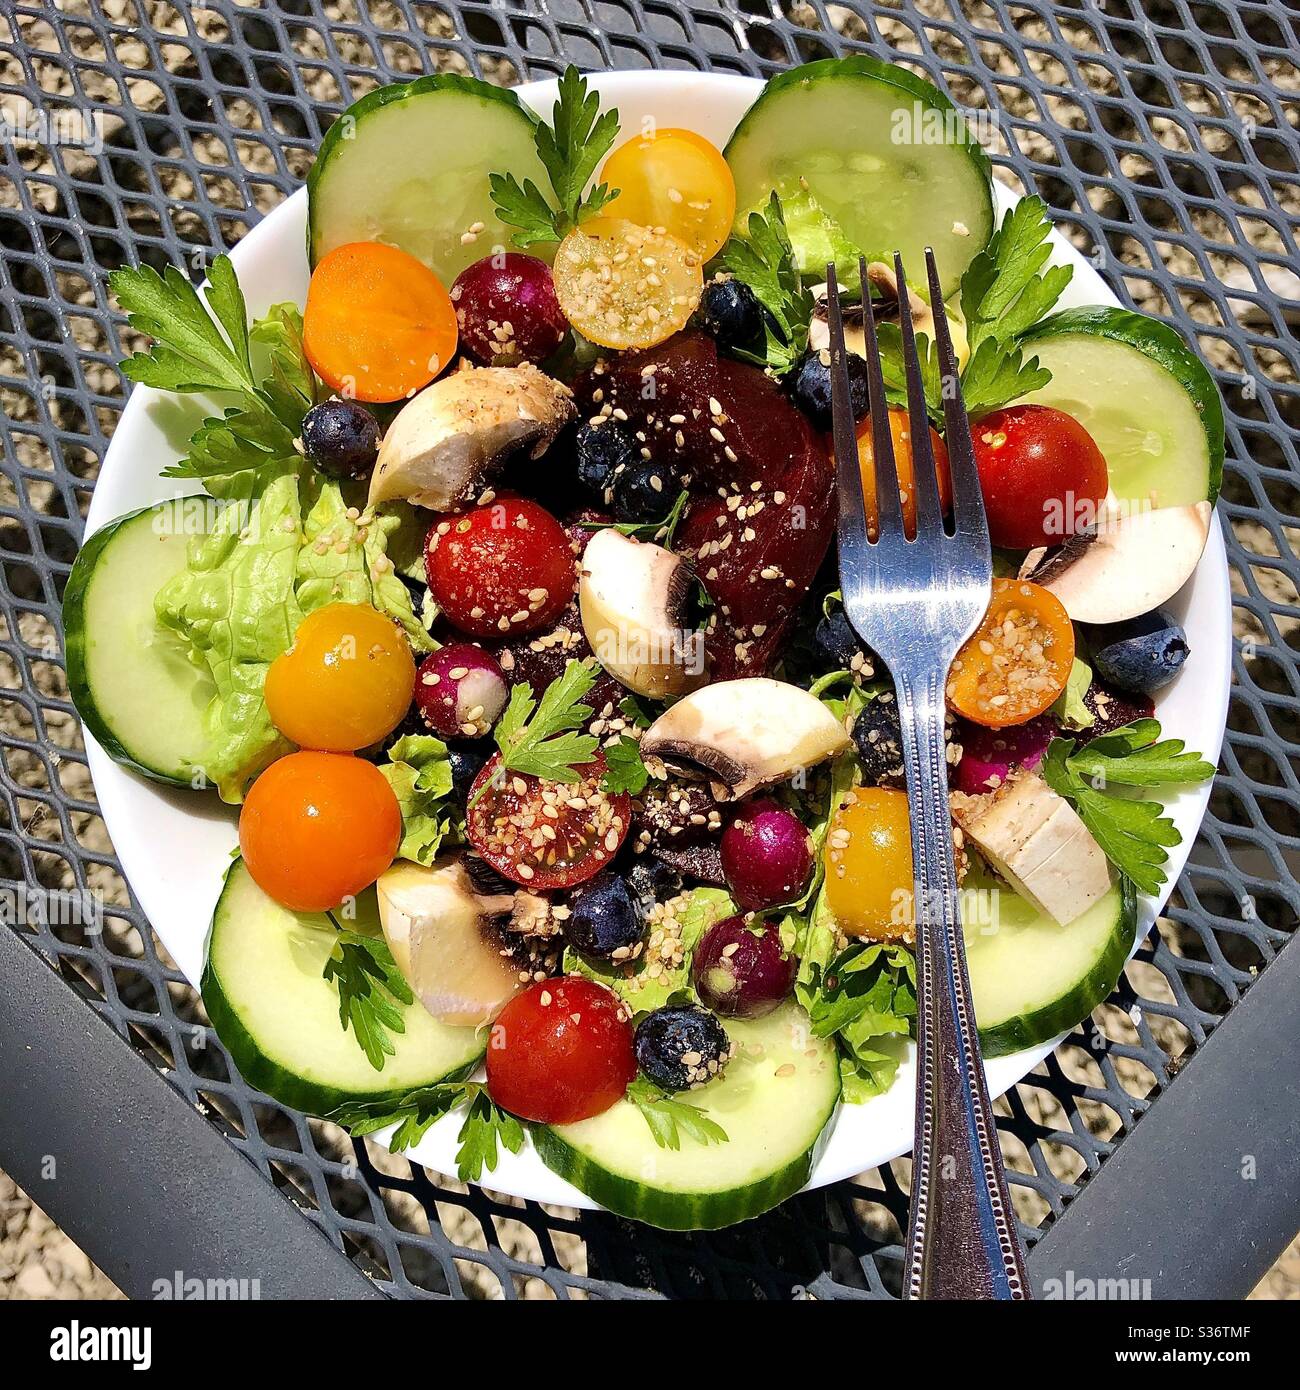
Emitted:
pixel 409 165
pixel 265 991
pixel 132 680
pixel 774 1101
pixel 868 158
pixel 1144 396
pixel 1032 978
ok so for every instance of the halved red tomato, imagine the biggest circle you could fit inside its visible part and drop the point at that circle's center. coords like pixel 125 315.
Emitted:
pixel 544 834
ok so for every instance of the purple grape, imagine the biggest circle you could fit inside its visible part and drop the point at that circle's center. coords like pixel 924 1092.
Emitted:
pixel 740 969
pixel 766 855
pixel 507 310
pixel 460 689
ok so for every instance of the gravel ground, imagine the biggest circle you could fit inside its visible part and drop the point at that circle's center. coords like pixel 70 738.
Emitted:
pixel 39 1261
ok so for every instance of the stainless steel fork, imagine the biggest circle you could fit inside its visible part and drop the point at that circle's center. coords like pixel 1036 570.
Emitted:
pixel 914 602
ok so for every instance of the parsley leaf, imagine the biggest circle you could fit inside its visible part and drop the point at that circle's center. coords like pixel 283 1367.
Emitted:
pixel 485 1128
pixel 764 260
pixel 570 149
pixel 669 1118
pixel 1134 834
pixel 202 343
pixel 661 532
pixel 539 738
pixel 371 990
pixel 625 772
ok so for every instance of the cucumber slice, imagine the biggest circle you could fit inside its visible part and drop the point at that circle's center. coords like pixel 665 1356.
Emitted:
pixel 1144 396
pixel 829 138
pixel 265 992
pixel 132 681
pixel 409 165
pixel 1032 978
pixel 774 1101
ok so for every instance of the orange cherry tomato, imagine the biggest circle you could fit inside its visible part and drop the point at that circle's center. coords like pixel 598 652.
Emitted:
pixel 378 325
pixel 676 180
pixel 869 874
pixel 317 828
pixel 345 682
pixel 626 286
pixel 1018 661
pixel 900 431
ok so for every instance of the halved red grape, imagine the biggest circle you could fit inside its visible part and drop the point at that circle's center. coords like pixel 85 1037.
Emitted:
pixel 460 690
pixel 740 969
pixel 507 310
pixel 502 567
pixel 766 855
pixel 544 834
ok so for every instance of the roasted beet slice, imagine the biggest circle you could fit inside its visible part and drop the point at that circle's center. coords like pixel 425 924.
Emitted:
pixel 762 510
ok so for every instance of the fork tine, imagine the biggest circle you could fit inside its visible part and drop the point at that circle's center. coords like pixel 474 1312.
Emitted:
pixel 929 515
pixel 853 515
pixel 967 497
pixel 889 508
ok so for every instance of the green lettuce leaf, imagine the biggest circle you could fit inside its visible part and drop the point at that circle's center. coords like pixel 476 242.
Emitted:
pixel 419 773
pixel 235 606
pixel 1069 707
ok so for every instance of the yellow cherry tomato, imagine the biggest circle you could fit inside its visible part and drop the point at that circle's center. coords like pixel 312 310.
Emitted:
pixel 346 681
pixel 869 865
pixel 676 180
pixel 622 285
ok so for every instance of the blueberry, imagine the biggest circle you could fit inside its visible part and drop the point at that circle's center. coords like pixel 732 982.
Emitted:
pixel 644 492
pixel 340 439
pixel 835 644
pixel 605 918
pixel 652 881
pixel 810 387
pixel 1141 655
pixel 601 449
pixel 731 313
pixel 877 737
pixel 664 1037
pixel 466 764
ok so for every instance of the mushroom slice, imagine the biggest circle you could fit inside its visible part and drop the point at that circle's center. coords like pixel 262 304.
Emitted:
pixel 882 277
pixel 436 926
pixel 743 734
pixel 454 437
pixel 632 596
pixel 1126 566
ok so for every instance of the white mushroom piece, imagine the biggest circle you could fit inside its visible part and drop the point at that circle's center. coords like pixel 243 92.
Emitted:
pixel 436 926
pixel 1129 564
pixel 743 734
pixel 632 596
pixel 453 439
pixel 886 282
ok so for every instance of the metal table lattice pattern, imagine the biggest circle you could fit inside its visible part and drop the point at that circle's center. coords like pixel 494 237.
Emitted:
pixel 1160 132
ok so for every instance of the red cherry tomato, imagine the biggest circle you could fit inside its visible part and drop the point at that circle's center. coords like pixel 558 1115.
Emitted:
pixel 501 568
pixel 544 834
pixel 317 828
pixel 561 1051
pixel 1043 476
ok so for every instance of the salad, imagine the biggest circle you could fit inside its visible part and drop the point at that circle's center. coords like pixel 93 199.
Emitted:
pixel 504 607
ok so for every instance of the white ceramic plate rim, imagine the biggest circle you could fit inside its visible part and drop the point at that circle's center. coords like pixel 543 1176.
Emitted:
pixel 174 846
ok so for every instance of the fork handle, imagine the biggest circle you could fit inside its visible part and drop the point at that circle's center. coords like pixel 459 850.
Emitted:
pixel 962 1240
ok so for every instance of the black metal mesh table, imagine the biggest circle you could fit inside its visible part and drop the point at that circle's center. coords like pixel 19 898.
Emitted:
pixel 1162 135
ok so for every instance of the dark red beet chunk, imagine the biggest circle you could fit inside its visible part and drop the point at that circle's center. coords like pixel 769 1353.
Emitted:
pixel 1113 708
pixel 728 428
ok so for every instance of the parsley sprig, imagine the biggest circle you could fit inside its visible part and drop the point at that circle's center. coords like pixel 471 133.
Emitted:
pixel 624 770
pixel 661 532
pixel 202 343
pixel 372 992
pixel 570 148
pixel 539 737
pixel 485 1129
pixel 1134 834
pixel 764 260
pixel 669 1118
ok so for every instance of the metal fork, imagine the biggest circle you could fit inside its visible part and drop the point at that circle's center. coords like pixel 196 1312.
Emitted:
pixel 914 602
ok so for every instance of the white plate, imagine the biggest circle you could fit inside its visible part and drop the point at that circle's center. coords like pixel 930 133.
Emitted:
pixel 175 845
